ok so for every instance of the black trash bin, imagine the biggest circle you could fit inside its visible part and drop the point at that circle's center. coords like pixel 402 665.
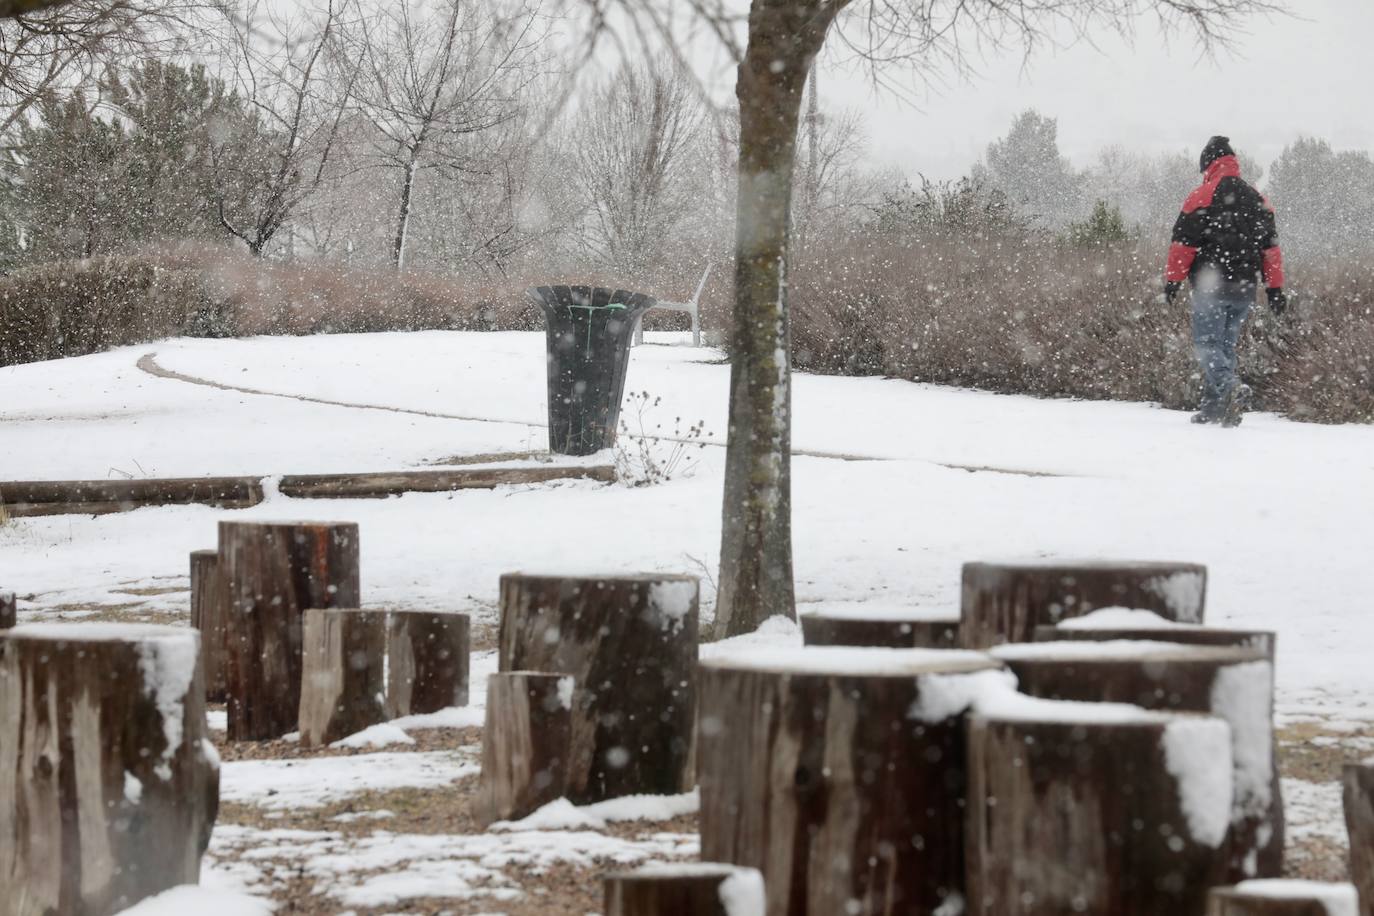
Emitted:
pixel 589 331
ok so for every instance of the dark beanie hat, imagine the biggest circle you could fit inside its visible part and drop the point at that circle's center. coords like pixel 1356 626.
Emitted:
pixel 1216 148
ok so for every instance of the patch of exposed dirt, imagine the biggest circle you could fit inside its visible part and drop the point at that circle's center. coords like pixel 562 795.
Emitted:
pixel 1308 751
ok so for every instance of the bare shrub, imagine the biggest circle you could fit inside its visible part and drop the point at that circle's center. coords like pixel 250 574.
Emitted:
pixel 1018 314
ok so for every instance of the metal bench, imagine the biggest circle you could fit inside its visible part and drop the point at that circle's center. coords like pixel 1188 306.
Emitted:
pixel 691 307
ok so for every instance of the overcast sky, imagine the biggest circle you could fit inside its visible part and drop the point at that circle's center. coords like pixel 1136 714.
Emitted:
pixel 1311 74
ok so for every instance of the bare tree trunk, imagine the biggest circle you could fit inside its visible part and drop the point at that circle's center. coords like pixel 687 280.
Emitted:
pixel 756 536
pixel 398 246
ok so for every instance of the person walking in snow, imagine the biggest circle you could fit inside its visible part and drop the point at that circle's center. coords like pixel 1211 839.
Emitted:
pixel 1223 239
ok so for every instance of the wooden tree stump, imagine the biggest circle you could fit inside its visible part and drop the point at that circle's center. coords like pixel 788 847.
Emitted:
pixel 1283 898
pixel 1262 641
pixel 882 629
pixel 839 774
pixel 273 571
pixel 209 607
pixel 110 786
pixel 343 683
pixel 1005 602
pixel 9 610
pixel 1234 684
pixel 631 643
pixel 427 662
pixel 690 889
pixel 526 744
pixel 1358 783
pixel 1095 809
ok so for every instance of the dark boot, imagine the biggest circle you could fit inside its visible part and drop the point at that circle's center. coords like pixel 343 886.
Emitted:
pixel 1236 405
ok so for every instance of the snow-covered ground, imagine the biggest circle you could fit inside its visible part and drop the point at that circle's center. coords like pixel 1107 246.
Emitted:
pixel 895 486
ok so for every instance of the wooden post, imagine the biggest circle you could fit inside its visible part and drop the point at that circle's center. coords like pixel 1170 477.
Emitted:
pixel 273 571
pixel 110 786
pixel 343 683
pixel 839 774
pixel 9 610
pixel 1282 898
pixel 690 889
pixel 1005 602
pixel 1263 641
pixel 1358 784
pixel 1234 684
pixel 1102 811
pixel 916 630
pixel 427 662
pixel 631 644
pixel 209 606
pixel 526 744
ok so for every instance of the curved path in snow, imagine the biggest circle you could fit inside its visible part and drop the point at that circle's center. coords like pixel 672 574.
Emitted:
pixel 148 363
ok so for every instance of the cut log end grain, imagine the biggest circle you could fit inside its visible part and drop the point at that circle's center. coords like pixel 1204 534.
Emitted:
pixel 879 632
pixel 1126 815
pixel 428 661
pixel 631 644
pixel 273 571
pixel 685 890
pixel 1236 684
pixel 115 786
pixel 1358 789
pixel 343 682
pixel 1282 898
pixel 1005 602
pixel 841 780
pixel 209 607
pixel 1263 641
pixel 526 743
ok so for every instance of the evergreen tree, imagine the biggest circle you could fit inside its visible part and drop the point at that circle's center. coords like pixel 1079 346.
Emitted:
pixel 169 111
pixel 72 181
pixel 1026 164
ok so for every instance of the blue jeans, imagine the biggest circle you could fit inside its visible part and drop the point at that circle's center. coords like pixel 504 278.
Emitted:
pixel 1219 310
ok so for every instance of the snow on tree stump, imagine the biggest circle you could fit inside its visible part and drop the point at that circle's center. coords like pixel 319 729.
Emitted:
pixel 1005 602
pixel 526 744
pixel 272 572
pixel 839 774
pixel 631 644
pixel 1234 684
pixel 1114 624
pixel 1283 898
pixel 427 662
pixel 343 682
pixel 110 787
pixel 209 606
pixel 9 610
pixel 690 889
pixel 881 628
pixel 1358 785
pixel 1099 809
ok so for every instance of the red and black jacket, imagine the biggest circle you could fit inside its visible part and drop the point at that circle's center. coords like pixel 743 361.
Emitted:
pixel 1227 226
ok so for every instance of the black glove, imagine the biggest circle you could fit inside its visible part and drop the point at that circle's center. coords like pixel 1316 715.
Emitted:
pixel 1171 290
pixel 1278 302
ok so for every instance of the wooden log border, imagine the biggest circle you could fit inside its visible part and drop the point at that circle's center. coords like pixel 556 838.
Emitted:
pixel 34 498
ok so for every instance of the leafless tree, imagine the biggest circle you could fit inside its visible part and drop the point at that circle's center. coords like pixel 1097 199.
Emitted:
pixel 782 40
pixel 633 150
pixel 66 45
pixel 436 77
pixel 297 79
pixel 832 188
